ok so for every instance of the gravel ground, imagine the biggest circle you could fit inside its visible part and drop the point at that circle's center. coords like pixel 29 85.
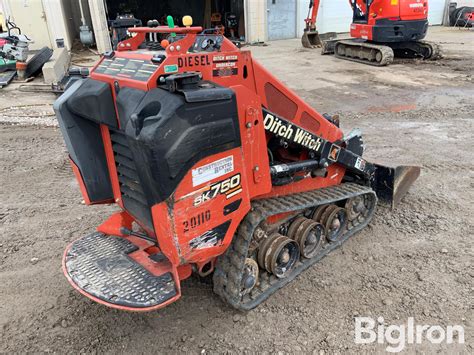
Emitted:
pixel 415 261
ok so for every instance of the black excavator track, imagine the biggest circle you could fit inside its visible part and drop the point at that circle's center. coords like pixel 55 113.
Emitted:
pixel 230 268
pixel 417 49
pixel 380 55
pixel 363 52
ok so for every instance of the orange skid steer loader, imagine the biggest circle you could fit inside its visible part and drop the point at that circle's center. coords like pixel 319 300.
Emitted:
pixel 217 167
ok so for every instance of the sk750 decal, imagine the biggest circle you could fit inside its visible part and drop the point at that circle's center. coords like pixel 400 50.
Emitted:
pixel 229 187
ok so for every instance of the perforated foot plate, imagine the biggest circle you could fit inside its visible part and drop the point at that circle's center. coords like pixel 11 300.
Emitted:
pixel 100 266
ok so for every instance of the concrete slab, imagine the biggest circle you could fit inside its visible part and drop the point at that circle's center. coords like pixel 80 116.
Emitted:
pixel 55 69
pixel 334 85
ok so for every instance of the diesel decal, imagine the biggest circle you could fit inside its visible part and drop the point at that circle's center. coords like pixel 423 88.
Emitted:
pixel 284 129
pixel 229 187
pixel 194 61
pixel 196 221
pixel 211 238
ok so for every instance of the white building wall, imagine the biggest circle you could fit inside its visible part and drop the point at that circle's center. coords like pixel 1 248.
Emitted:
pixel 301 14
pixel 100 26
pixel 462 3
pixel 256 20
pixel 42 20
pixel 436 11
pixel 57 18
pixel 333 16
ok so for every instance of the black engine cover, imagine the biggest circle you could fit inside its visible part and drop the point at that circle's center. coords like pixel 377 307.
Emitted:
pixel 164 133
pixel 168 135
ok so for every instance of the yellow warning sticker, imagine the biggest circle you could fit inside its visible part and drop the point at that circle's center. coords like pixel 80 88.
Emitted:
pixel 394 2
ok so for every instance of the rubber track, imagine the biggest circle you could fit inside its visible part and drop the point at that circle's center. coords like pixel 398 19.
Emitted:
pixel 418 47
pixel 387 52
pixel 437 52
pixel 230 266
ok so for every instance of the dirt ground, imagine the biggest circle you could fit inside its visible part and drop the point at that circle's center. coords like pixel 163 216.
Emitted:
pixel 415 261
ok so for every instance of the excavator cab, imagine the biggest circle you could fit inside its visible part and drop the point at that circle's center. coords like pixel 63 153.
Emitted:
pixel 360 13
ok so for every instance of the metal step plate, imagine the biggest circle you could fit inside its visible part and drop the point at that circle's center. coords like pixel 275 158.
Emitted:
pixel 100 266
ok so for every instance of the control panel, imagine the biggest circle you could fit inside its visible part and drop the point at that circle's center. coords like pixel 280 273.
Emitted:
pixel 207 43
pixel 136 69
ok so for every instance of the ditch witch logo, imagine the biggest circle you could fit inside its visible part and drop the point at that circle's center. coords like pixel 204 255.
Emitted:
pixel 282 128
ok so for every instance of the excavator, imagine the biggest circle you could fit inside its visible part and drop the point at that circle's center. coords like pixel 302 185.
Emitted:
pixel 380 31
pixel 217 169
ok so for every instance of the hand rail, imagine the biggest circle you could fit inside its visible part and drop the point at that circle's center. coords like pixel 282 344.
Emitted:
pixel 165 29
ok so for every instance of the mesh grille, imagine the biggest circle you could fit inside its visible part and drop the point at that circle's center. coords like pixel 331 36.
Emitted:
pixel 133 196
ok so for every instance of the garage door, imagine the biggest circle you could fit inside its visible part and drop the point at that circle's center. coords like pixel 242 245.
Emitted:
pixel 435 12
pixel 281 19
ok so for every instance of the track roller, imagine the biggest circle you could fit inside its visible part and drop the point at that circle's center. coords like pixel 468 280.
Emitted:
pixel 334 219
pixel 294 226
pixel 278 254
pixel 318 212
pixel 354 207
pixel 250 277
pixel 308 234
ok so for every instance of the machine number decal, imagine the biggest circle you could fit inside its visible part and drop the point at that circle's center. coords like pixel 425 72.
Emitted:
pixel 282 128
pixel 197 220
pixel 213 170
pixel 229 187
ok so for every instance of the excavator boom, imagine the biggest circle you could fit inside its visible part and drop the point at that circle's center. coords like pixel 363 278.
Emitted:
pixel 311 37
